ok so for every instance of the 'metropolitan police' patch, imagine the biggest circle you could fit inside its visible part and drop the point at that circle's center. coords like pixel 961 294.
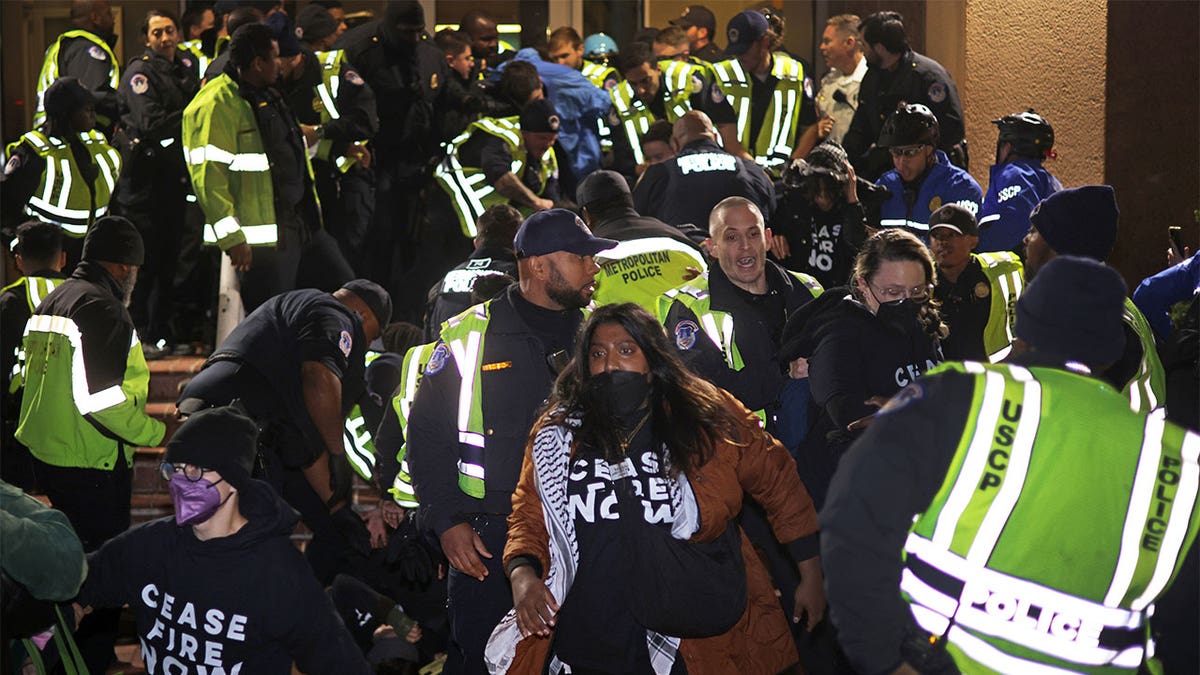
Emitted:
pixel 685 334
pixel 437 360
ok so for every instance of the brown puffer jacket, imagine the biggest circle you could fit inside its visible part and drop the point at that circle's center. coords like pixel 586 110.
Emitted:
pixel 761 641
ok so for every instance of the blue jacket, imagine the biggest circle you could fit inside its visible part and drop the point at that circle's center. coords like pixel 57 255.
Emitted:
pixel 944 184
pixel 579 104
pixel 1014 188
pixel 1156 294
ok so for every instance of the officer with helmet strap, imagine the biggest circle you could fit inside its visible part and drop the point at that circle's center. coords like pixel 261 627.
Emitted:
pixel 1017 181
pixel 923 179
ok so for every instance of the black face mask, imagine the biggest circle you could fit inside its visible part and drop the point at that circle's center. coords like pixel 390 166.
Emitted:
pixel 901 315
pixel 624 391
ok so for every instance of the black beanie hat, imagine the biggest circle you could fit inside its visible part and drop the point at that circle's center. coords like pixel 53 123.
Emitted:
pixel 113 239
pixel 603 186
pixel 540 116
pixel 1073 310
pixel 1081 221
pixel 315 22
pixel 64 96
pixel 374 297
pixel 222 439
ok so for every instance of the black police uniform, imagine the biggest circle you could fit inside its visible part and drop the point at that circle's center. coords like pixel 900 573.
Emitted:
pixel 408 83
pixel 347 199
pixel 966 306
pixel 822 243
pixel 710 53
pixel 450 296
pixel 82 59
pixel 22 176
pixel 522 342
pixel 685 189
pixel 260 364
pixel 917 79
pixel 153 188
pixel 305 255
pixel 622 152
pixel 762 92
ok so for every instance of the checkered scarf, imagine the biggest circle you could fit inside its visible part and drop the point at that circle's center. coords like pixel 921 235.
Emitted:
pixel 551 460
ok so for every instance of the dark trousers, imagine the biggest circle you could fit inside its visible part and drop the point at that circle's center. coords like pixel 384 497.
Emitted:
pixel 348 205
pixel 96 502
pixel 441 245
pixel 159 220
pixel 476 607
pixel 314 262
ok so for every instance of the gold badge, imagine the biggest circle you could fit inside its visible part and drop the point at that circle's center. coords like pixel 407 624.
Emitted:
pixel 433 81
pixel 982 289
pixel 935 204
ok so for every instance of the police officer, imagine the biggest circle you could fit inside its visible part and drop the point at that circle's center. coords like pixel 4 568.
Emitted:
pixel 704 172
pixel 338 107
pixel 1011 469
pixel 978 291
pixel 700 24
pixel 821 223
pixel 600 49
pixel 234 19
pixel 761 99
pixel 652 90
pixel 484 383
pixel 256 187
pixel 406 71
pixel 154 186
pixel 493 254
pixel 652 256
pixel 1083 222
pixel 63 172
pixel 296 364
pixel 923 179
pixel 1017 181
pixel 566 48
pixel 40 258
pixel 85 53
pixel 896 74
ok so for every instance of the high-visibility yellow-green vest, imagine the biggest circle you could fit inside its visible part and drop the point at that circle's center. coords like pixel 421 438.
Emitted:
pixel 677 84
pixel 331 69
pixel 775 143
pixel 470 193
pixel 718 325
pixel 1148 388
pixel 1008 568
pixel 34 289
pixel 357 439
pixel 410 376
pixel 231 175
pixel 1006 276
pixel 62 196
pixel 195 49
pixel 463 336
pixel 598 74
pixel 641 270
pixel 51 71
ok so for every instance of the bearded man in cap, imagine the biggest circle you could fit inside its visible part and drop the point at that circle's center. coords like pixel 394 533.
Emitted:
pixel 1083 222
pixel 297 365
pixel 483 385
pixel 1049 516
pixel 219 585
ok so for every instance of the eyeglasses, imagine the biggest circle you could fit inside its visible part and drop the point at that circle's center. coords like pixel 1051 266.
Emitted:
pixel 906 151
pixel 894 293
pixel 189 471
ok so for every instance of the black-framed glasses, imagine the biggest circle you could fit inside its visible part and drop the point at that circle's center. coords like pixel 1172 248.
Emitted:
pixel 906 151
pixel 190 471
pixel 916 294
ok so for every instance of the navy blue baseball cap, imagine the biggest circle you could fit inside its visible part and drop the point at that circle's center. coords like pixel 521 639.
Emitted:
pixel 285 34
pixel 555 230
pixel 744 30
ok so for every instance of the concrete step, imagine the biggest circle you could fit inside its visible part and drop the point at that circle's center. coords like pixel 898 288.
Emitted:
pixel 167 374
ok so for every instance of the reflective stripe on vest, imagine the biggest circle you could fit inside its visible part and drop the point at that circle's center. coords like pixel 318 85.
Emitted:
pixel 1005 275
pixel 360 449
pixel 51 72
pixel 195 48
pixel 675 88
pixel 62 196
pixel 327 90
pixel 35 289
pixel 773 146
pixel 411 373
pixel 1147 390
pixel 86 402
pixel 1020 443
pixel 464 335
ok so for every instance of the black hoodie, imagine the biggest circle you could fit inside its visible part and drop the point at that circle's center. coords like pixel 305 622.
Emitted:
pixel 247 603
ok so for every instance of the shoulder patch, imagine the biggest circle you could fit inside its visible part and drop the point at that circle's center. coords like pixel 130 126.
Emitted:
pixel 697 83
pixel 903 398
pixel 982 290
pixel 716 94
pixel 185 61
pixel 937 92
pixel 353 77
pixel 96 53
pixel 685 334
pixel 808 87
pixel 139 83
pixel 610 82
pixel 935 203
pixel 345 343
pixel 433 81
pixel 13 164
pixel 437 360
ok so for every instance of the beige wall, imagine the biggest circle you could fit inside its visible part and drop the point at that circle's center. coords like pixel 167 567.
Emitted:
pixel 1016 54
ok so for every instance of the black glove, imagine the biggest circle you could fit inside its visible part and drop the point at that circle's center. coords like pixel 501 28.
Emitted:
pixel 353 529
pixel 409 556
pixel 341 479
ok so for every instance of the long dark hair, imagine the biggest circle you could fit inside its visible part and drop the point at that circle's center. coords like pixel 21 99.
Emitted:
pixel 897 245
pixel 689 414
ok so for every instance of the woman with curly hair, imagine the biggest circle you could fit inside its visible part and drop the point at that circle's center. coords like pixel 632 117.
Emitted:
pixel 626 418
